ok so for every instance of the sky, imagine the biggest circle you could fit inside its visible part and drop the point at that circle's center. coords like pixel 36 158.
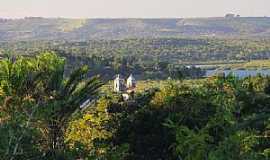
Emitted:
pixel 132 8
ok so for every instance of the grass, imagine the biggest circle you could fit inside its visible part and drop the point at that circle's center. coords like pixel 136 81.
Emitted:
pixel 254 64
pixel 68 25
pixel 258 64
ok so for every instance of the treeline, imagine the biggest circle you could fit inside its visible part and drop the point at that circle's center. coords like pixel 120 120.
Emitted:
pixel 165 49
pixel 146 58
pixel 45 115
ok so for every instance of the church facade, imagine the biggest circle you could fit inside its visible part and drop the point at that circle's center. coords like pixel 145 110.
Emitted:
pixel 121 85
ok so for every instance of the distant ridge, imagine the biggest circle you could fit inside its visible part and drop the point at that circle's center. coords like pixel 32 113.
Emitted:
pixel 38 28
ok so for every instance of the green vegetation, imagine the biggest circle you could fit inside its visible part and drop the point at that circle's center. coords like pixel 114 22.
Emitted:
pixel 53 108
pixel 37 28
pixel 151 58
pixel 37 103
pixel 68 25
pixel 255 64
pixel 46 115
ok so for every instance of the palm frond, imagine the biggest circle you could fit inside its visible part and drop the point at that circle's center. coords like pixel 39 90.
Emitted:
pixel 74 80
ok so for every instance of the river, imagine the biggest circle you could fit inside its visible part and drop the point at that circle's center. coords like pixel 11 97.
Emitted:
pixel 240 73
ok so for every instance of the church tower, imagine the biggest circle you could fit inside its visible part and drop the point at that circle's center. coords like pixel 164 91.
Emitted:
pixel 131 82
pixel 119 84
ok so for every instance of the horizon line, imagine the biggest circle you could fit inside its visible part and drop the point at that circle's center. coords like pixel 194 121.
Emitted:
pixel 62 17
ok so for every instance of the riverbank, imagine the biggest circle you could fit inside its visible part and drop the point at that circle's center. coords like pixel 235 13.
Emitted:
pixel 235 65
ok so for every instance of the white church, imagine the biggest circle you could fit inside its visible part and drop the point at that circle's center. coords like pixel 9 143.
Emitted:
pixel 121 85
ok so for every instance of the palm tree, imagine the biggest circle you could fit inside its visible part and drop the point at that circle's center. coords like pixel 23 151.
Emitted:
pixel 38 89
pixel 63 96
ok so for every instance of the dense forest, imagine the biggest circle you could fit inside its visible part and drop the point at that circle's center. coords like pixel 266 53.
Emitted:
pixel 45 114
pixel 146 58
pixel 57 101
pixel 166 49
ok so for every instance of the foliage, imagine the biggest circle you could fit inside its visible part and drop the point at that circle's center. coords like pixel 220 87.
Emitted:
pixel 37 102
pixel 49 114
pixel 93 126
pixel 38 28
pixel 152 58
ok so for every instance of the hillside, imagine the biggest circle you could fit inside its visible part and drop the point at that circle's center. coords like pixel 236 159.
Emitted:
pixel 35 28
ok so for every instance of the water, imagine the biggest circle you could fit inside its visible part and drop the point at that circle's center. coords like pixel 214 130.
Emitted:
pixel 240 73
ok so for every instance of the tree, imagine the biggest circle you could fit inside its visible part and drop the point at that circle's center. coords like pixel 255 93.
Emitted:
pixel 62 97
pixel 37 96
pixel 18 104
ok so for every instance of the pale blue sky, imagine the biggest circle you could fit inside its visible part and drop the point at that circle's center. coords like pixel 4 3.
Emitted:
pixel 132 8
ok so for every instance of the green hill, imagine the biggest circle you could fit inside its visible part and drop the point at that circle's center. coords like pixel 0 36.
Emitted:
pixel 36 28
